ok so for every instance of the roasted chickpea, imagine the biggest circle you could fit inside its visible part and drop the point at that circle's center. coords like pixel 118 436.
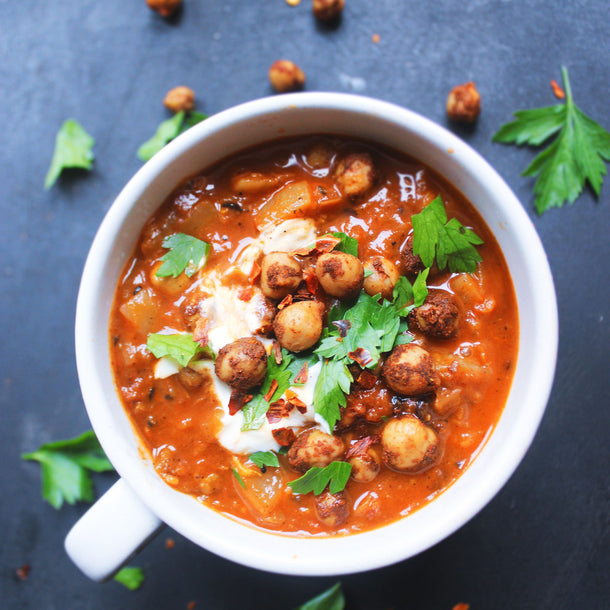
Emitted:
pixel 383 277
pixel 408 444
pixel 365 464
pixel 298 326
pixel 355 174
pixel 411 262
pixel 340 274
pixel 325 10
pixel 165 8
pixel 280 275
pixel 179 98
pixel 409 370
pixel 332 509
pixel 242 364
pixel 314 448
pixel 464 103
pixel 285 75
pixel 438 316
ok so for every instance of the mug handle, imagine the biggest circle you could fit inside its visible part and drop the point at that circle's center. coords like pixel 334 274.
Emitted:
pixel 111 532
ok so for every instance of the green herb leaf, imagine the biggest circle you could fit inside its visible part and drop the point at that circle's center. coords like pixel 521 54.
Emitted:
pixel 331 387
pixel 575 157
pixel 450 242
pixel 238 477
pixel 65 465
pixel 191 119
pixel 348 244
pixel 335 475
pixel 264 458
pixel 331 599
pixel 186 253
pixel 166 132
pixel 131 577
pixel 255 410
pixel 179 346
pixel 72 149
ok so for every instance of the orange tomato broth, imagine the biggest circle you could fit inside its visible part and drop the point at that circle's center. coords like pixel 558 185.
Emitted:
pixel 178 426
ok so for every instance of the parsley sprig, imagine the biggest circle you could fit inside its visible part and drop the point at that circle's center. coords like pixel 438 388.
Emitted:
pixel 575 157
pixel 335 475
pixel 447 241
pixel 255 410
pixel 373 325
pixel 73 148
pixel 186 254
pixel 130 577
pixel 331 599
pixel 262 459
pixel 66 466
pixel 179 346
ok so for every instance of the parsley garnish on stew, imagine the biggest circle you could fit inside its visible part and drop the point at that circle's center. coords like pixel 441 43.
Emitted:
pixel 361 334
pixel 167 131
pixel 186 253
pixel 179 346
pixel 449 242
pixel 72 149
pixel 335 475
pixel 131 577
pixel 331 599
pixel 262 459
pixel 575 157
pixel 65 468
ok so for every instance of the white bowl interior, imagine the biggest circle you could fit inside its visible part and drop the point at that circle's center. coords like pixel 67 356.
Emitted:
pixel 260 121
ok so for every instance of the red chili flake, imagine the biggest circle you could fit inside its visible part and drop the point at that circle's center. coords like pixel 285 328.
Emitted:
pixel 366 380
pixel 343 326
pixel 327 243
pixel 302 375
pixel 361 445
pixel 272 389
pixel 254 273
pixel 461 606
pixel 361 356
pixel 284 436
pixel 311 280
pixel 287 300
pixel 237 401
pixel 169 543
pixel 23 572
pixel 557 90
pixel 200 332
pixel 245 293
pixel 276 348
pixel 306 251
pixel 191 606
pixel 277 410
pixel 295 401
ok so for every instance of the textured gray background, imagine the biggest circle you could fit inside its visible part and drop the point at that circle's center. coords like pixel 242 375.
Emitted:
pixel 543 541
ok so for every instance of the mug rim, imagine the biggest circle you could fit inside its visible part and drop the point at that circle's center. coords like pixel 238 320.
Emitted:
pixel 240 541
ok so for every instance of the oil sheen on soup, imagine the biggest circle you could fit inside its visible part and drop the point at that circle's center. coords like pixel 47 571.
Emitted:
pixel 286 356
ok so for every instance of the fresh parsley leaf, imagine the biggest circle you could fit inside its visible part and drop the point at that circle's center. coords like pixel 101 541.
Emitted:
pixel 72 149
pixel 335 475
pixel 575 157
pixel 331 387
pixel 331 599
pixel 186 253
pixel 131 577
pixel 255 410
pixel 65 468
pixel 348 244
pixel 238 477
pixel 167 131
pixel 179 346
pixel 264 458
pixel 450 242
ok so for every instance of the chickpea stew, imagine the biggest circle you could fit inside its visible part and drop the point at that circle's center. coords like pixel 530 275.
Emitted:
pixel 288 359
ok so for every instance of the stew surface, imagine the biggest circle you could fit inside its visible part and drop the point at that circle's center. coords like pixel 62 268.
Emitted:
pixel 405 444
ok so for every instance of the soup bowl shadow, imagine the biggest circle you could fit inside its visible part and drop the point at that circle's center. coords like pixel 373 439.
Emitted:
pixel 137 505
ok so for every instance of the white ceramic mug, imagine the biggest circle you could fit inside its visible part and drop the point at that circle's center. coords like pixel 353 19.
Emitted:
pixel 135 507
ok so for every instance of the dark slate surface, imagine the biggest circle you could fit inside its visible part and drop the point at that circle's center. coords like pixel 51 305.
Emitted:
pixel 543 541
